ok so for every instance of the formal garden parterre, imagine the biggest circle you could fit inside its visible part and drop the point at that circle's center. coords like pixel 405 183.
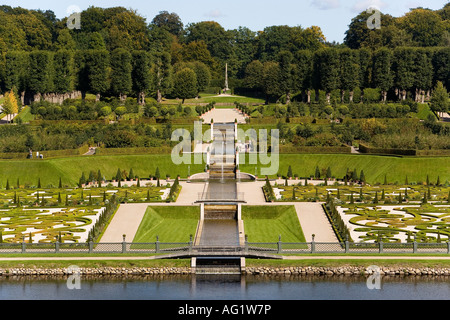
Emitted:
pixel 70 215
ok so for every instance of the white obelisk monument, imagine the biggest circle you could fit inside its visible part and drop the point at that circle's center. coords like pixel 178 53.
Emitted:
pixel 226 78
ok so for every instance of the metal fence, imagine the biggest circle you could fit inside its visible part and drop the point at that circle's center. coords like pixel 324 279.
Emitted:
pixel 349 248
pixel 248 248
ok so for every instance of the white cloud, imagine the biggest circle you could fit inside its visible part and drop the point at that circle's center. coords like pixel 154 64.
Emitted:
pixel 363 5
pixel 72 9
pixel 216 13
pixel 326 4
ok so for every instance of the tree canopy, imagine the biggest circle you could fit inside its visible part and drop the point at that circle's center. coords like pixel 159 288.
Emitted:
pixel 118 52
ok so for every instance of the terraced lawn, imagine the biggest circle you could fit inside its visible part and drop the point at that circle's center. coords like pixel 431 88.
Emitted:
pixel 267 223
pixel 375 168
pixel 170 224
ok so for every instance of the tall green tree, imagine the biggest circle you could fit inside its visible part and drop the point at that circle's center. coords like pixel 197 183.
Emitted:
pixel 424 25
pixel 382 71
pixel 359 35
pixel 141 77
pixel 214 35
pixel 202 73
pixel 303 72
pixel 96 41
pixel 243 50
pixel 12 36
pixel 15 72
pixel 185 84
pixel 441 66
pixel 271 80
pixel 403 67
pixel 326 71
pixel 126 29
pixel 349 72
pixel 285 60
pixel 97 66
pixel 423 72
pixel 254 73
pixel 170 22
pixel 439 99
pixel 365 68
pixel 65 41
pixel 121 82
pixel 39 73
pixel 162 74
pixel 38 35
pixel 64 71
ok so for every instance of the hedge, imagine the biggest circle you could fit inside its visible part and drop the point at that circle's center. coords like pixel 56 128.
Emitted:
pixel 131 151
pixel 434 152
pixel 402 152
pixel 314 150
pixel 47 154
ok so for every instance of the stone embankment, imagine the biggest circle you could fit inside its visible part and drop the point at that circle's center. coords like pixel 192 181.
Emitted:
pixel 94 271
pixel 348 270
pixel 317 271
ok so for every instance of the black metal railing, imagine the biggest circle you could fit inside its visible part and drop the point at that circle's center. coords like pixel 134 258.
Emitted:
pixel 279 247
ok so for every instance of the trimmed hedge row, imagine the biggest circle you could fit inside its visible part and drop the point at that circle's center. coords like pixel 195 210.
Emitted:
pixel 401 152
pixel 132 151
pixel 436 152
pixel 47 154
pixel 338 225
pixel 314 150
pixel 292 120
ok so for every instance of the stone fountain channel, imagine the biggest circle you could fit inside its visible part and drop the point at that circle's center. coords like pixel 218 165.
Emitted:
pixel 220 207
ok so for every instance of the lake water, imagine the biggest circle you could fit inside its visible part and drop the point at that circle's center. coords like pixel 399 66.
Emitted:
pixel 205 287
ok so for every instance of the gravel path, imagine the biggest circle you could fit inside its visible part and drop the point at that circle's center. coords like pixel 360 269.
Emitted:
pixel 223 115
pixel 126 221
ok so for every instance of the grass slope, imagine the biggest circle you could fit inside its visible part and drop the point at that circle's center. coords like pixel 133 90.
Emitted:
pixel 375 167
pixel 171 224
pixel 267 223
pixel 70 169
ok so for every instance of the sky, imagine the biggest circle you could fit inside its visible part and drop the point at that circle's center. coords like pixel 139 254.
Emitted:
pixel 332 16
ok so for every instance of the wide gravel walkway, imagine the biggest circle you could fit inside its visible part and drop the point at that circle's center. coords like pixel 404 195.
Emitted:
pixel 223 116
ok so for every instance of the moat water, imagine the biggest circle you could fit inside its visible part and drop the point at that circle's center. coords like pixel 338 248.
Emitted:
pixel 207 287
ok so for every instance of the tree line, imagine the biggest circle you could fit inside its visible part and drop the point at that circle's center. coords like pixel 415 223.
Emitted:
pixel 397 71
pixel 117 53
pixel 121 73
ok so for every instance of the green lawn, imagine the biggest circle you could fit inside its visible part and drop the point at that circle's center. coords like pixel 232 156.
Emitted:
pixel 171 224
pixel 424 112
pixel 267 223
pixel 25 114
pixel 375 167
pixel 70 169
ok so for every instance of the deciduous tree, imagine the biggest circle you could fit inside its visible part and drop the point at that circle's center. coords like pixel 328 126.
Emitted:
pixel 382 71
pixel 185 84
pixel 121 83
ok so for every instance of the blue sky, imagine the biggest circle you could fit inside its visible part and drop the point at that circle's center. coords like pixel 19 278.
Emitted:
pixel 332 16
